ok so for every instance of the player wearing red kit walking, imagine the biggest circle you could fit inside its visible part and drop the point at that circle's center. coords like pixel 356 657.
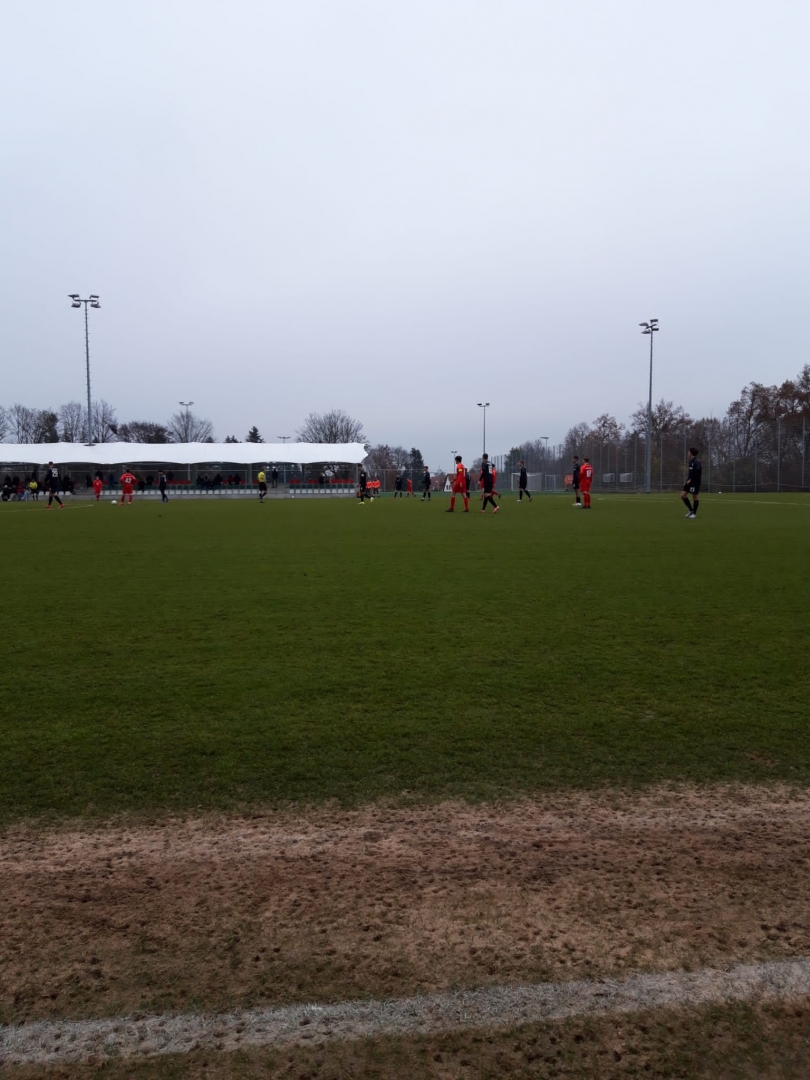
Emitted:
pixel 459 487
pixel 409 488
pixel 585 478
pixel 98 484
pixel 127 480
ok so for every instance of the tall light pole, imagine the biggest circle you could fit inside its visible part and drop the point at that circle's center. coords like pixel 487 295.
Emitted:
pixel 650 328
pixel 284 438
pixel 545 460
pixel 187 405
pixel 484 405
pixel 77 302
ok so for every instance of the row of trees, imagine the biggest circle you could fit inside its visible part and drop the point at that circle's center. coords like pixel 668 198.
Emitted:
pixel 762 440
pixel 68 423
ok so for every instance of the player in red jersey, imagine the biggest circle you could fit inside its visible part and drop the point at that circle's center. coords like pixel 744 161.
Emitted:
pixel 459 487
pixel 409 488
pixel 98 484
pixel 585 478
pixel 127 480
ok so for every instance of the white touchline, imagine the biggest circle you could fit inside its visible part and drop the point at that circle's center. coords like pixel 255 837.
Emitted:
pixel 55 1042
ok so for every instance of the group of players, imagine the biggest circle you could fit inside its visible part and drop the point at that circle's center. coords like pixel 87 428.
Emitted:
pixel 581 480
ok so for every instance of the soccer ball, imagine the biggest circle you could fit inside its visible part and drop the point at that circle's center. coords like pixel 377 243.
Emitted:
pixel 113 502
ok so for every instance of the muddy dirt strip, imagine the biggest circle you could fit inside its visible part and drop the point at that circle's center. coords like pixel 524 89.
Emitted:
pixel 217 914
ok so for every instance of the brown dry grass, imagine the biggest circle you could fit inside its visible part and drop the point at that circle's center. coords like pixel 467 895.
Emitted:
pixel 721 1043
pixel 217 913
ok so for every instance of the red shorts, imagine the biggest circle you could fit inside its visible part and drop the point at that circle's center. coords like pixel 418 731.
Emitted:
pixel 127 489
pixel 459 489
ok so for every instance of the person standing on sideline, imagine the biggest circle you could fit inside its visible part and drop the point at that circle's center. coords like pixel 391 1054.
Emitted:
pixel 162 485
pixel 461 480
pixel 486 484
pixel 523 483
pixel 98 485
pixel 585 478
pixel 398 486
pixel 575 480
pixel 127 481
pixel 274 477
pixel 262 485
pixel 426 484
pixel 52 480
pixel 362 486
pixel 691 485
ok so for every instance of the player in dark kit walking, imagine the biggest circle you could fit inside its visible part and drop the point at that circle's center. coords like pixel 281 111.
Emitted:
pixel 362 486
pixel 523 483
pixel 691 485
pixel 486 483
pixel 575 481
pixel 426 484
pixel 52 479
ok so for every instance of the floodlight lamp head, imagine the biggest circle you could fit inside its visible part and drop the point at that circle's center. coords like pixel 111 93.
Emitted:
pixel 73 295
pixel 94 296
pixel 76 303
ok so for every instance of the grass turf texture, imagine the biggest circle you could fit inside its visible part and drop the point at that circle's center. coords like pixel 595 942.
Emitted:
pixel 219 654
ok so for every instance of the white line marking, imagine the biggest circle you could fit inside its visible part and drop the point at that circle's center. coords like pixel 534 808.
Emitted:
pixel 52 1042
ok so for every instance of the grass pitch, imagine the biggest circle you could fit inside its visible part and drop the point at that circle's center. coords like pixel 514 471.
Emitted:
pixel 220 654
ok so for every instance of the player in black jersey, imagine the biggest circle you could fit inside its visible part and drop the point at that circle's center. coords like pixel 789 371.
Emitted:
pixel 362 486
pixel 523 483
pixel 52 480
pixel 575 480
pixel 426 485
pixel 485 479
pixel 691 485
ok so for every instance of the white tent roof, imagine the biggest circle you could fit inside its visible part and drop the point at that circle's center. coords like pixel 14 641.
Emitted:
pixel 119 453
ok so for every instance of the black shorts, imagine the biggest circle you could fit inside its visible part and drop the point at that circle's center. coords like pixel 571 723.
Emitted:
pixel 692 490
pixel 488 488
pixel 53 489
pixel 523 487
pixel 262 486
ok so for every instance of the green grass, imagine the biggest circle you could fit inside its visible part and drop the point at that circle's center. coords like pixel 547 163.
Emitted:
pixel 218 654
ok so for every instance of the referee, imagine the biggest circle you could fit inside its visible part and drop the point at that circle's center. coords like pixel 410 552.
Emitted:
pixel 691 485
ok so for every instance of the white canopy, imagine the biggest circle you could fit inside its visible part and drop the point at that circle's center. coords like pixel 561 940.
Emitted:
pixel 120 453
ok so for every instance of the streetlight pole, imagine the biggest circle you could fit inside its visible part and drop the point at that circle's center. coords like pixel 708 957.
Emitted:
pixel 484 405
pixel 650 328
pixel 545 460
pixel 284 438
pixel 187 405
pixel 77 302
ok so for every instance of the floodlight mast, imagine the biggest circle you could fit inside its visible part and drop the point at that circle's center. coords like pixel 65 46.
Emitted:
pixel 77 302
pixel 650 328
pixel 187 405
pixel 484 405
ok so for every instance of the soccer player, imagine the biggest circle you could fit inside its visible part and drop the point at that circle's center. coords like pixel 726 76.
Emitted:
pixel 585 478
pixel 426 484
pixel 98 485
pixel 52 480
pixel 398 486
pixel 523 484
pixel 409 487
pixel 362 486
pixel 575 480
pixel 127 482
pixel 461 480
pixel 162 481
pixel 486 483
pixel 691 485
pixel 262 485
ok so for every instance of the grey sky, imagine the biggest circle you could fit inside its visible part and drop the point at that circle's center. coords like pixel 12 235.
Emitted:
pixel 403 208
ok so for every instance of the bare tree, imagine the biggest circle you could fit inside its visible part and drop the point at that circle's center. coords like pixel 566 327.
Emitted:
pixel 186 427
pixel 3 424
pixel 22 423
pixel 143 431
pixel 104 424
pixel 667 419
pixel 334 426
pixel 72 423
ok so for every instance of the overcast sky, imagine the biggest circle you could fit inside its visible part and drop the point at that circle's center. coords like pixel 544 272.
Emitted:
pixel 403 207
